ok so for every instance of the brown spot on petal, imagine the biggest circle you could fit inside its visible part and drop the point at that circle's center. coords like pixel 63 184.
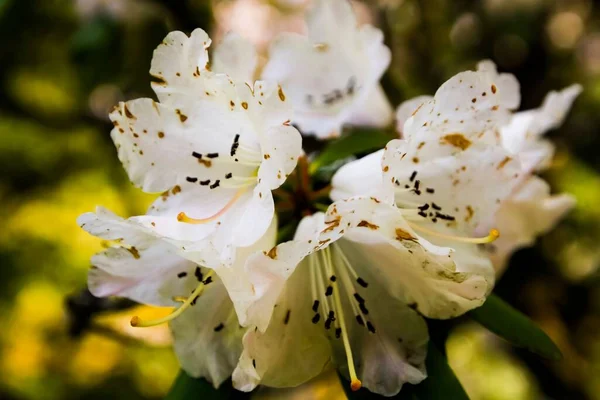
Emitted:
pixel 128 113
pixel 280 93
pixel 456 140
pixel 494 89
pixel 134 252
pixel 182 117
pixel 272 253
pixel 176 189
pixel 161 135
pixel 401 235
pixel 245 105
pixel 367 224
pixel 470 213
pixel 503 162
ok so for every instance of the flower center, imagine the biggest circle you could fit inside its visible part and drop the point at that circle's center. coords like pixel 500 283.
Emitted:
pixel 331 274
pixel 244 160
pixel 417 213
pixel 187 302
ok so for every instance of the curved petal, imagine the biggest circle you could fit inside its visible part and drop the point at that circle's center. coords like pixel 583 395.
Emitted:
pixel 375 110
pixel 161 147
pixel 207 337
pixel 463 190
pixel 468 108
pixel 405 111
pixel 522 135
pixel 282 146
pixel 362 177
pixel 150 275
pixel 530 212
pixel 178 64
pixel 507 81
pixel 236 57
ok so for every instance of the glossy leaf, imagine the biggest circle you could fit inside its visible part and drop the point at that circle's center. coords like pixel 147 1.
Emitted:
pixel 356 141
pixel 499 317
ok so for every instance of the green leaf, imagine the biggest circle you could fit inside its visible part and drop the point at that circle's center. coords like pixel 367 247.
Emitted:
pixel 356 141
pixel 499 317
pixel 188 388
pixel 441 383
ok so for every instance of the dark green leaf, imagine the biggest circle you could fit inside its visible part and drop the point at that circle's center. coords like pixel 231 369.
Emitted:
pixel 357 141
pixel 441 383
pixel 187 388
pixel 508 323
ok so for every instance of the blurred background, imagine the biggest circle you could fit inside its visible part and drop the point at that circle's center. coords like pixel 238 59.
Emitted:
pixel 65 63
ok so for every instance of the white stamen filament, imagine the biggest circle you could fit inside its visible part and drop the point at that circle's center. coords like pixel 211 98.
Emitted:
pixel 138 322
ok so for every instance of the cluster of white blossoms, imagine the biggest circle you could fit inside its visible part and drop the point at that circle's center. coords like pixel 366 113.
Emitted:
pixel 409 233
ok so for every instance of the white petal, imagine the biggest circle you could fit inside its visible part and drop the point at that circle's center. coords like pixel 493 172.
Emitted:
pixel 395 353
pixel 375 110
pixel 178 64
pixel 282 146
pixel 107 225
pixel 207 337
pixel 530 212
pixel 156 143
pixel 236 57
pixel 292 350
pixel 267 273
pixel 362 177
pixel 256 218
pixel 470 105
pixel 466 188
pixel 405 111
pixel 522 134
pixel 150 275
pixel 508 81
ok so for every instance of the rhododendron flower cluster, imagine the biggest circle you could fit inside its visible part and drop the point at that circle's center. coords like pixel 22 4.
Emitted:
pixel 412 231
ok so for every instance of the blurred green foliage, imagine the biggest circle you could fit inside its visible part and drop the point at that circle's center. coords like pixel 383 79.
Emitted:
pixel 64 64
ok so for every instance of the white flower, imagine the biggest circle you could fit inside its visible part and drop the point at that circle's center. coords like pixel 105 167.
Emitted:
pixel 141 267
pixel 447 179
pixel 216 147
pixel 343 290
pixel 332 76
pixel 528 210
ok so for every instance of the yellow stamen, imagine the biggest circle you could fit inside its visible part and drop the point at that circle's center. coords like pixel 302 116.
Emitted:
pixel 493 235
pixel 138 322
pixel 355 383
pixel 182 217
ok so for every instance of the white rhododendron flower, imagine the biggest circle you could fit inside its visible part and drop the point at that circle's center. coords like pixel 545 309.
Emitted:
pixel 139 266
pixel 332 75
pixel 529 210
pixel 216 147
pixel 344 290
